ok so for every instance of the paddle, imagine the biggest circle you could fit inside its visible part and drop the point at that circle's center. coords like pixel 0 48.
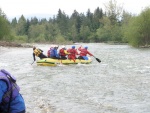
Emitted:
pixel 97 59
pixel 32 62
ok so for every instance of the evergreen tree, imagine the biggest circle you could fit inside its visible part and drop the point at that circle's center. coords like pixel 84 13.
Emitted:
pixel 14 22
pixel 2 14
pixel 89 16
pixel 98 14
pixel 27 25
pixel 74 34
pixel 4 27
pixel 84 33
pixel 62 21
pixel 34 21
pixel 21 26
pixel 76 20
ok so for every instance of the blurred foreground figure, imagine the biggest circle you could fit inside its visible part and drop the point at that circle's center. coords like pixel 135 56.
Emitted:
pixel 11 101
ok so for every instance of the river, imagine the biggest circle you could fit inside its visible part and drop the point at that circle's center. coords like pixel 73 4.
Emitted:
pixel 119 84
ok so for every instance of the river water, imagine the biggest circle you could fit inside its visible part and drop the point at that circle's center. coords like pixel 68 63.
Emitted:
pixel 119 84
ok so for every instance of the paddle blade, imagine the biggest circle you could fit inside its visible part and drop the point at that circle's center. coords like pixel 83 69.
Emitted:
pixel 32 62
pixel 98 60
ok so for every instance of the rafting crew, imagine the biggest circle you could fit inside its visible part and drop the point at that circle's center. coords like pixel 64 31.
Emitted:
pixel 63 53
pixel 39 53
pixel 70 53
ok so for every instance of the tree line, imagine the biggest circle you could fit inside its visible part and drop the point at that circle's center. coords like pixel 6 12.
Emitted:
pixel 112 25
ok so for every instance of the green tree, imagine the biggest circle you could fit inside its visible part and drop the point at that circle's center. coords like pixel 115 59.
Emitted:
pixel 34 21
pixel 84 33
pixel 21 26
pixel 76 20
pixel 137 32
pixel 27 25
pixel 4 27
pixel 52 31
pixel 131 32
pixel 73 33
pixel 62 21
pixel 104 32
pixel 98 14
pixel 14 22
pixel 2 14
pixel 111 27
pixel 144 23
pixel 90 20
pixel 36 33
pixel 113 11
pixel 124 24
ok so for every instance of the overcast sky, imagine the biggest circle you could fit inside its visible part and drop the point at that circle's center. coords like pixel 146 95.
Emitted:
pixel 46 8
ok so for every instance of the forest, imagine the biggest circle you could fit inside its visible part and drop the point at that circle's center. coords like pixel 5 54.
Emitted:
pixel 114 25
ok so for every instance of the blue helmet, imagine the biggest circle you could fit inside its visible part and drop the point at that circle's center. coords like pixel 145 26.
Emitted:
pixel 73 47
pixel 86 47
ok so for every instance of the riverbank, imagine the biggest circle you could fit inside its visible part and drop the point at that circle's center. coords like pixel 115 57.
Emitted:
pixel 26 45
pixel 14 44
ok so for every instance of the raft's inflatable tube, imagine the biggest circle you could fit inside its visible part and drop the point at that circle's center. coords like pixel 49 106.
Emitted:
pixel 55 62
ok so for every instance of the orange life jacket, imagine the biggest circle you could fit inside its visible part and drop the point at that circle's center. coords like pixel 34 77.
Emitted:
pixel 62 52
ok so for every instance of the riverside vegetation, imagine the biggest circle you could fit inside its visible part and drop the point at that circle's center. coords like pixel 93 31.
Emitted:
pixel 114 25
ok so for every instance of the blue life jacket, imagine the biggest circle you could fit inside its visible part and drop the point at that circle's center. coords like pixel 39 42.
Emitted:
pixel 13 88
pixel 85 57
pixel 53 53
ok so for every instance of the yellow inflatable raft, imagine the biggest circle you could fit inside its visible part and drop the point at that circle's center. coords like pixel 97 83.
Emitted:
pixel 55 62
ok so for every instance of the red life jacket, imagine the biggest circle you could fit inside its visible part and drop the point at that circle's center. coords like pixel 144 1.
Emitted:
pixel 48 53
pixel 84 52
pixel 61 52
pixel 73 53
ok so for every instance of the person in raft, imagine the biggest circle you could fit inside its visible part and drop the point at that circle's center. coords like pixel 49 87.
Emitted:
pixel 48 52
pixel 38 53
pixel 11 101
pixel 83 53
pixel 53 53
pixel 63 53
pixel 73 52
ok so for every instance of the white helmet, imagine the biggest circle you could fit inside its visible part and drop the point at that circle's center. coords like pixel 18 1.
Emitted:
pixel 55 45
pixel 52 46
pixel 63 46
